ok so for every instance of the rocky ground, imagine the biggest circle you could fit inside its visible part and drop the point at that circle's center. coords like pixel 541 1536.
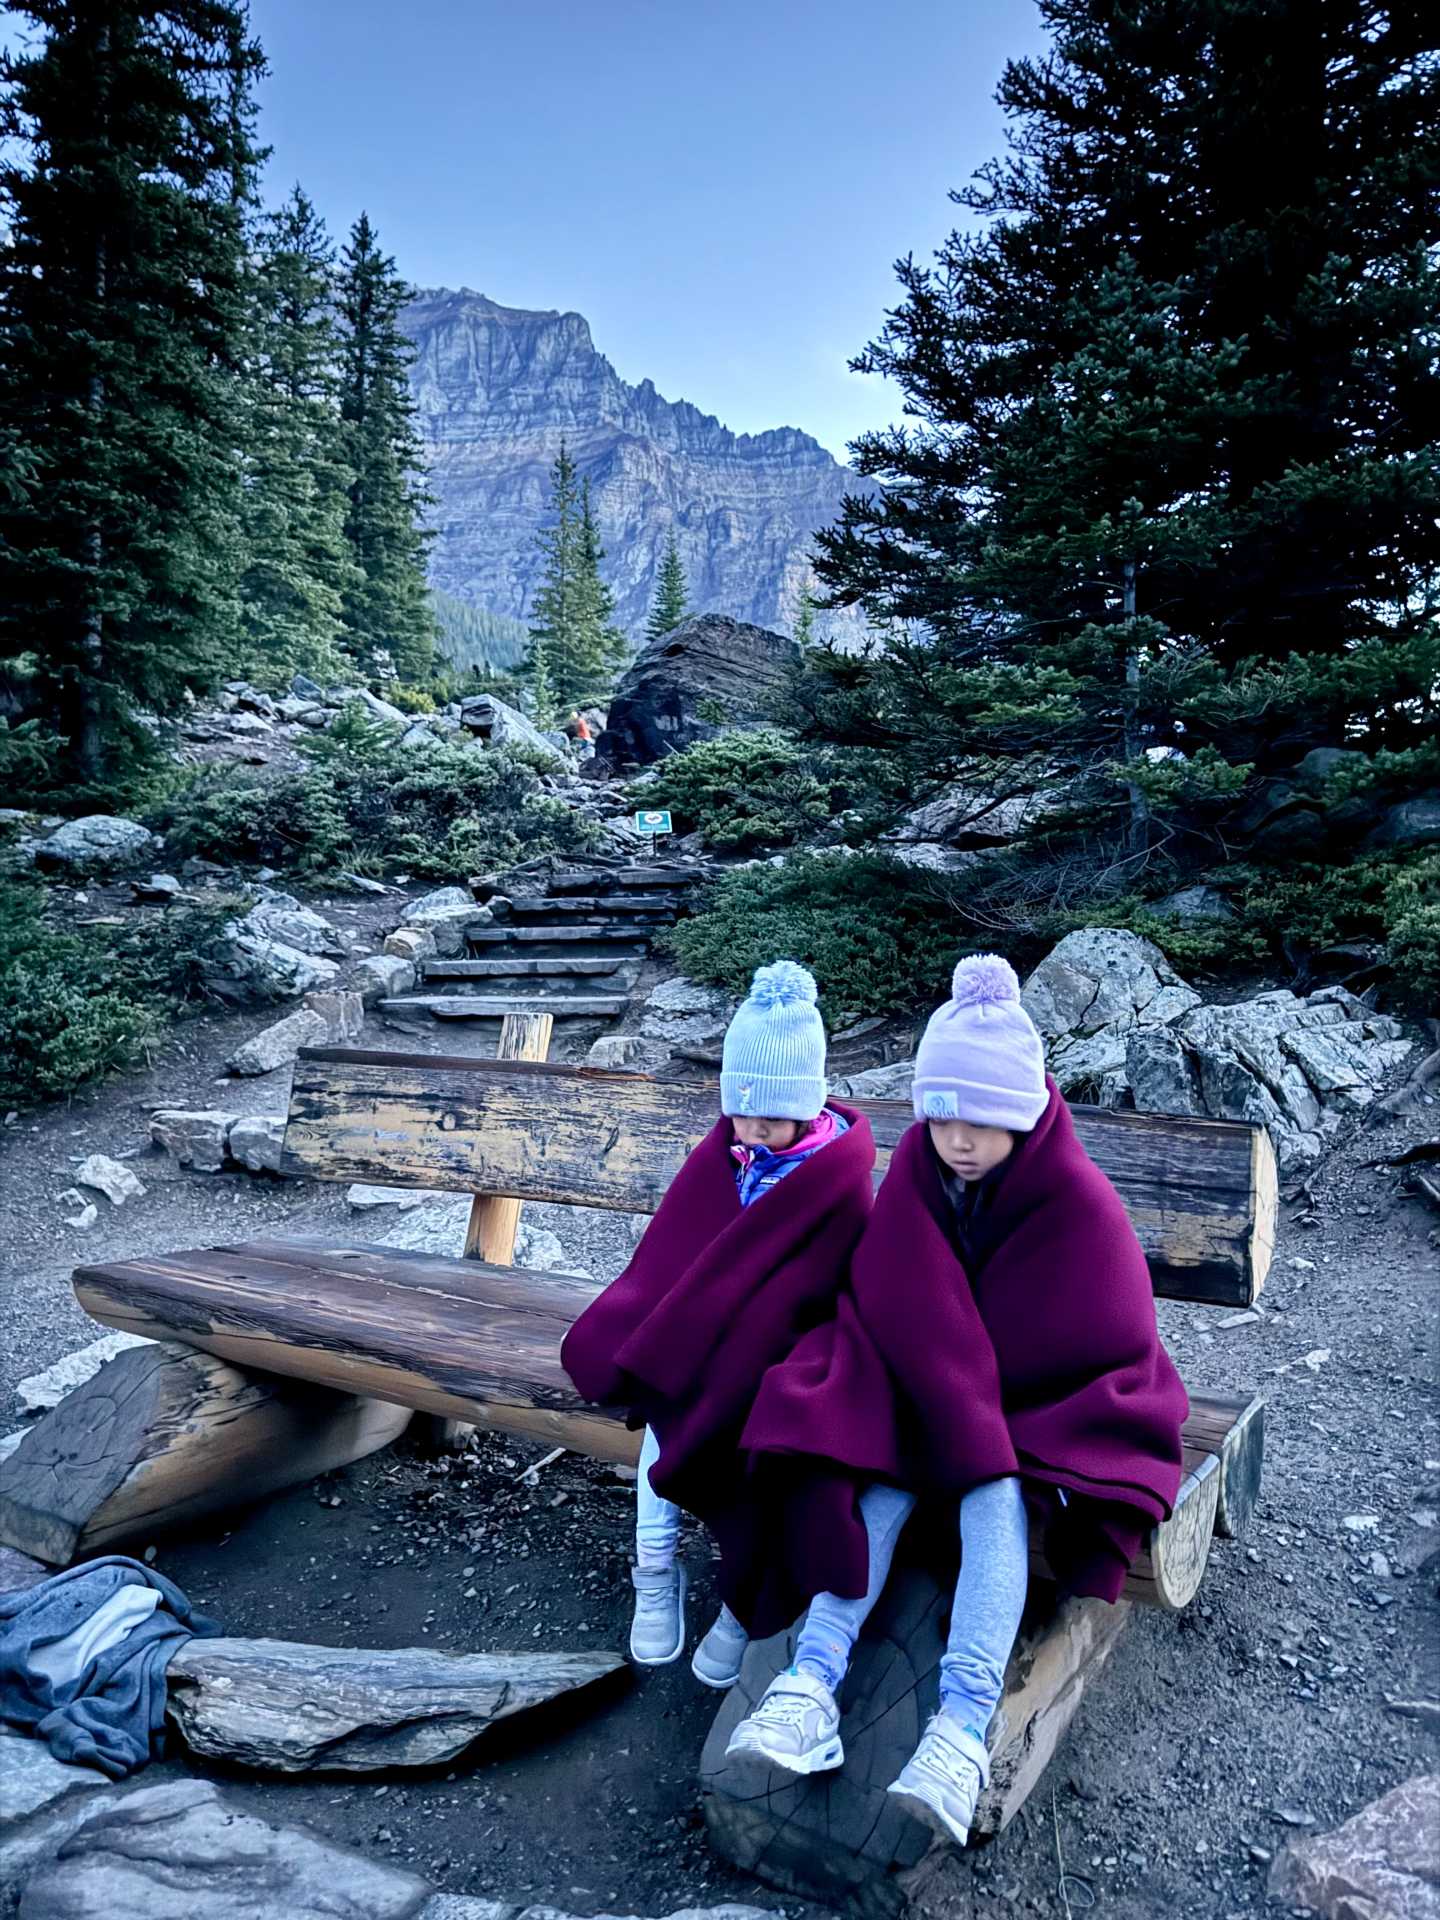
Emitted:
pixel 1264 1711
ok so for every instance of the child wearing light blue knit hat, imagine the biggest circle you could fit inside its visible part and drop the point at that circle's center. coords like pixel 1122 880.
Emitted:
pixel 773 1092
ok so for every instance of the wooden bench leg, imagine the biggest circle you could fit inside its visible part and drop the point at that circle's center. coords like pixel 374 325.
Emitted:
pixel 1234 1429
pixel 162 1434
pixel 839 1838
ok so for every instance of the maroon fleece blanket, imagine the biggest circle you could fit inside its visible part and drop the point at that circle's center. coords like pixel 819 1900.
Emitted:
pixel 714 1297
pixel 1044 1362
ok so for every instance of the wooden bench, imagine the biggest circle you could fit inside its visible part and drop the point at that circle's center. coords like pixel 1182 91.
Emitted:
pixel 476 1340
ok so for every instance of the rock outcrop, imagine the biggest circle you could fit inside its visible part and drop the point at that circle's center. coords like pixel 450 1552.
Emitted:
pixel 680 685
pixel 499 388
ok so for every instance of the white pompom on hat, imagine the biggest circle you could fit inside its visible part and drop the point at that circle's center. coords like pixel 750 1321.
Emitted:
pixel 981 1059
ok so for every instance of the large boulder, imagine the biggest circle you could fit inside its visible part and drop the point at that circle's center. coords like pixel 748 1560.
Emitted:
pixel 682 1013
pixel 679 687
pixel 1384 1864
pixel 1119 1023
pixel 280 916
pixel 496 724
pixel 99 843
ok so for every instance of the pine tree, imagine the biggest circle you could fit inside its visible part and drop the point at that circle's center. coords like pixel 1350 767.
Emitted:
pixel 299 565
pixel 127 170
pixel 804 629
pixel 598 648
pixel 1171 460
pixel 573 637
pixel 671 593
pixel 556 610
pixel 388 611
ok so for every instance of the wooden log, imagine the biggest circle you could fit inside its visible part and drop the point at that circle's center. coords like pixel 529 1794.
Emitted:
pixel 839 1838
pixel 282 1707
pixel 1168 1571
pixel 494 1218
pixel 162 1434
pixel 1201 1193
pixel 1234 1430
pixel 467 1351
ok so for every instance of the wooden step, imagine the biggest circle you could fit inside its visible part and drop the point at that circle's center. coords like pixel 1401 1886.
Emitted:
pixel 468 1006
pixel 642 906
pixel 525 967
pixel 626 877
pixel 486 934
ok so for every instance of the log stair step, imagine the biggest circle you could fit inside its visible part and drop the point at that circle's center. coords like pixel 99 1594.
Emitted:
pixel 467 1006
pixel 628 878
pixel 526 967
pixel 485 934
pixel 642 906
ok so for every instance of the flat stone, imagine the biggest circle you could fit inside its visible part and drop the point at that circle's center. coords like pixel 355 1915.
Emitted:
pixel 364 1198
pixel 31 1777
pixel 184 1852
pixel 683 1013
pixel 877 1083
pixel 280 916
pixel 113 1178
pixel 1384 1864
pixel 255 1142
pixel 287 1707
pixel 160 887
pixel 411 943
pixel 98 843
pixel 38 1392
pixel 382 976
pixel 275 967
pixel 446 920
pixel 418 911
pixel 196 1138
pixel 628 1053
pixel 277 1046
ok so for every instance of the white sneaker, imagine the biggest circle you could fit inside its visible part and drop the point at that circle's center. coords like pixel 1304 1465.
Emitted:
pixel 718 1656
pixel 657 1633
pixel 941 1781
pixel 795 1726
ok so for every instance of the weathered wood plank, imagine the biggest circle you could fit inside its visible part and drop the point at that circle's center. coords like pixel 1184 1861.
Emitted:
pixel 1194 1188
pixel 625 878
pixel 495 1218
pixel 473 1006
pixel 1233 1428
pixel 482 933
pixel 283 1707
pixel 524 967
pixel 162 1434
pixel 638 906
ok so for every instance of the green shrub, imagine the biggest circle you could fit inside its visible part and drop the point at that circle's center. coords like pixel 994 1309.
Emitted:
pixel 879 937
pixel 1412 926
pixel 74 1006
pixel 745 789
pixel 366 803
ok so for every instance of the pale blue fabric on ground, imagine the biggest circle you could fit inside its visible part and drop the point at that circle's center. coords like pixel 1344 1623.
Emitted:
pixel 95 1701
pixel 989 1597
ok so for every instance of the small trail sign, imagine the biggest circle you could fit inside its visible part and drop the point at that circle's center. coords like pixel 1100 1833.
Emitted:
pixel 653 820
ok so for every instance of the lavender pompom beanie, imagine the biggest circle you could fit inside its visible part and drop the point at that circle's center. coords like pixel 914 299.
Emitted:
pixel 773 1065
pixel 981 1059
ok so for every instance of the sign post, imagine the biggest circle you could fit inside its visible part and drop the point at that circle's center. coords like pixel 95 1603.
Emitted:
pixel 654 823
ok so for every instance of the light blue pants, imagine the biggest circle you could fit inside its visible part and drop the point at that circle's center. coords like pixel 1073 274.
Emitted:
pixel 989 1597
pixel 657 1521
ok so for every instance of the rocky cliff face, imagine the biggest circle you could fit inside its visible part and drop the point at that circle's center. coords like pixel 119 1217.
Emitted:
pixel 498 388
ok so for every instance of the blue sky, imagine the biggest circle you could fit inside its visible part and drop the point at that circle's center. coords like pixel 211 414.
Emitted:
pixel 721 189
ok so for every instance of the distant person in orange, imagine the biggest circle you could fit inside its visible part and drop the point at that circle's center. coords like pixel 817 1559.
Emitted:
pixel 578 727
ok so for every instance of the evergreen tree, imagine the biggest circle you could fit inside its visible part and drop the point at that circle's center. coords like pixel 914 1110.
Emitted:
pixel 804 630
pixel 671 593
pixel 299 565
pixel 127 168
pixel 1171 461
pixel 388 610
pixel 574 644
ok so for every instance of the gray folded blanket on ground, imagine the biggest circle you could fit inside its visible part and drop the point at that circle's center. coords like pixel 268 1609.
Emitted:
pixel 83 1659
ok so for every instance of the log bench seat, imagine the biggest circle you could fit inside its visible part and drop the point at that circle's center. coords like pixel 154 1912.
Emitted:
pixel 475 1340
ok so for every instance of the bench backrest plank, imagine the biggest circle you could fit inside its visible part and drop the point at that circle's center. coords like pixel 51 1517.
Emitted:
pixel 1201 1193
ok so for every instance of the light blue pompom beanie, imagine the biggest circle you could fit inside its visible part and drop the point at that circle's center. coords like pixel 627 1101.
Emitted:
pixel 773 1066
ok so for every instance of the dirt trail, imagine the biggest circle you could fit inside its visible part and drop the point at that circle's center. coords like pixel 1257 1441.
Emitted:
pixel 1210 1737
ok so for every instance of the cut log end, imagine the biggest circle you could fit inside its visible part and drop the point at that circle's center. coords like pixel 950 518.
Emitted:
pixel 1169 1574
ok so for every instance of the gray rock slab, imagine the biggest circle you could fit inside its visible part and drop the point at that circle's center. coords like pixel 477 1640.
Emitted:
pixel 628 1053
pixel 183 1852
pixel 417 914
pixel 113 1178
pixel 382 976
pixel 1383 1864
pixel 41 1391
pixel 98 843
pixel 196 1137
pixel 287 1707
pixel 411 943
pixel 343 1012
pixel 683 1013
pixel 31 1777
pixel 17 1570
pixel 277 1045
pixel 280 916
pixel 877 1083
pixel 275 967
pixel 256 1140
